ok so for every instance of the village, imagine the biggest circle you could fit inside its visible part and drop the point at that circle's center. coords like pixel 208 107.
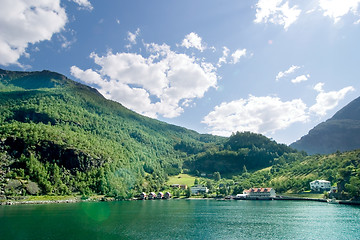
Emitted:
pixel 199 190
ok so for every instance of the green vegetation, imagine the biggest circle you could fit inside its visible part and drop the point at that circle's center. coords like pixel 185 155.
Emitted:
pixel 59 137
pixel 184 179
pixel 67 138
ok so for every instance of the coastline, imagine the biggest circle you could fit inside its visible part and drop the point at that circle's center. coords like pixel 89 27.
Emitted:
pixel 78 199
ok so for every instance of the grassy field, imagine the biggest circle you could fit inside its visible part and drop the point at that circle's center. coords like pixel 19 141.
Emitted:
pixel 182 179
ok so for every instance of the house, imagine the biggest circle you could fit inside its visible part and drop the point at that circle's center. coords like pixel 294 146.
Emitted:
pixel 152 196
pixel 320 185
pixel 259 193
pixel 160 195
pixel 183 186
pixel 175 185
pixel 167 195
pixel 143 196
pixel 199 189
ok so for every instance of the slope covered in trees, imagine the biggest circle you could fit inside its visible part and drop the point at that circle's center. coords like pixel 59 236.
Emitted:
pixel 66 137
pixel 341 132
pixel 241 150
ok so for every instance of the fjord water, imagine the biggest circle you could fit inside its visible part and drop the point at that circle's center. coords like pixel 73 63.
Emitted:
pixel 181 219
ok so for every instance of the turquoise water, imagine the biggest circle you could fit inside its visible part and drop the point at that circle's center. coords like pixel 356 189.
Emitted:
pixel 181 219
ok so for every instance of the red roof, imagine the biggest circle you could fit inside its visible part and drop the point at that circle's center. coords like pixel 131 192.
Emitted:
pixel 258 190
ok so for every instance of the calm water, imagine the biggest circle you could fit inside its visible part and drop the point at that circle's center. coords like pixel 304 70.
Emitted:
pixel 181 219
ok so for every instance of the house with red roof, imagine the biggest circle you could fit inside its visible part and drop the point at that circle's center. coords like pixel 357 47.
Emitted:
pixel 259 193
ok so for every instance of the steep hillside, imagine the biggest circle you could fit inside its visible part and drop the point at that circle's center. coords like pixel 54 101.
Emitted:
pixel 293 173
pixel 340 133
pixel 58 136
pixel 66 137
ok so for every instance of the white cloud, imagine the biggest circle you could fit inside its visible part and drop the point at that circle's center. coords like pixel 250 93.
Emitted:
pixel 132 38
pixel 301 78
pixel 276 12
pixel 237 55
pixel 160 84
pixel 336 9
pixel 291 70
pixel 256 114
pixel 326 101
pixel 24 22
pixel 222 60
pixel 84 4
pixel 192 40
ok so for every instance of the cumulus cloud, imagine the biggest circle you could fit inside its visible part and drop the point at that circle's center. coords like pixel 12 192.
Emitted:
pixel 276 12
pixel 326 101
pixel 291 70
pixel 84 4
pixel 24 22
pixel 237 55
pixel 256 114
pixel 161 84
pixel 132 36
pixel 192 40
pixel 267 115
pixel 301 78
pixel 223 59
pixel 336 9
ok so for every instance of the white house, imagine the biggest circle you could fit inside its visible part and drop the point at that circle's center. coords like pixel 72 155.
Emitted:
pixel 320 185
pixel 259 193
pixel 199 189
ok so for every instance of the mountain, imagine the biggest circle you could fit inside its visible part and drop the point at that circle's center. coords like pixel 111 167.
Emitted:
pixel 61 137
pixel 339 133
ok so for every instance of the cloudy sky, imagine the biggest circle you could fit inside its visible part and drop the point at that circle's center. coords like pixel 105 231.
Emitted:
pixel 269 66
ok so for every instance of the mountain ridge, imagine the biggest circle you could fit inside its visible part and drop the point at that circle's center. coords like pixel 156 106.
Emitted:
pixel 339 133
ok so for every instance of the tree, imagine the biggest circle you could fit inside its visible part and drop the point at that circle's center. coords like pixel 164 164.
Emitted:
pixel 217 176
pixel 196 182
pixel 188 192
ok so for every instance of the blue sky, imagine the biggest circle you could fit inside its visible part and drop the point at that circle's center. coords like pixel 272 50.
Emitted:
pixel 269 66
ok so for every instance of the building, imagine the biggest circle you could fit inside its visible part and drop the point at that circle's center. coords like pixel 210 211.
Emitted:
pixel 259 193
pixel 167 195
pixel 183 186
pixel 175 185
pixel 320 185
pixel 143 196
pixel 160 195
pixel 199 189
pixel 152 196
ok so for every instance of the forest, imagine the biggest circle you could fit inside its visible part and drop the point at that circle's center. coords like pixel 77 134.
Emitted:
pixel 59 137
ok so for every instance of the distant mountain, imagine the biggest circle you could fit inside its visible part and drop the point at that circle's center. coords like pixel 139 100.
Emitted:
pixel 339 133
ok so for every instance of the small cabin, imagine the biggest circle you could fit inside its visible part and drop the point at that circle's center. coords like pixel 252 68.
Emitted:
pixel 160 195
pixel 152 196
pixel 143 196
pixel 167 195
pixel 183 186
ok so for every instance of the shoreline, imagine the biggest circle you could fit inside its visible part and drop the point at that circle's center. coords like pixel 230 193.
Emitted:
pixel 111 199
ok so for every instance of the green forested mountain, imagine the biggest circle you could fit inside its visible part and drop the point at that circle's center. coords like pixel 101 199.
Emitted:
pixel 341 132
pixel 67 137
pixel 59 137
pixel 240 151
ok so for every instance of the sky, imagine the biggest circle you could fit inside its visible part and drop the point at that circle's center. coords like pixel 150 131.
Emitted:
pixel 273 67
